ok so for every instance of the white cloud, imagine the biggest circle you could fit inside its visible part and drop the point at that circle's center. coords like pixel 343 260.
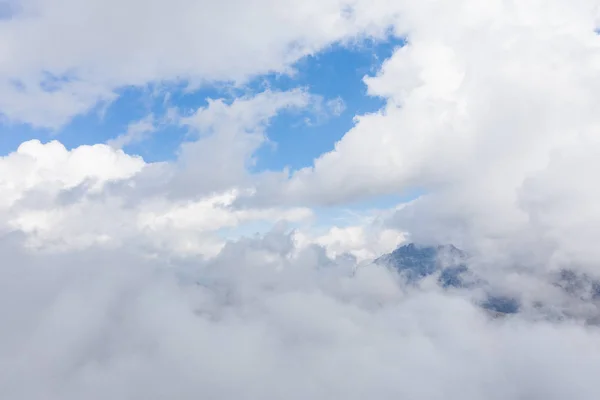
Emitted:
pixel 481 103
pixel 365 235
pixel 61 57
pixel 63 200
pixel 266 321
pixel 136 132
pixel 99 196
pixel 362 243
pixel 227 136
pixel 500 98
pixel 53 168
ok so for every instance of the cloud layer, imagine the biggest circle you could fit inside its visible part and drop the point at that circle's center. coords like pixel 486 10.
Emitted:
pixel 264 320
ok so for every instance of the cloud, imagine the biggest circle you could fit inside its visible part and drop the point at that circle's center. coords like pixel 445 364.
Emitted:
pixel 136 132
pixel 482 103
pixel 265 320
pixel 60 58
pixel 227 136
pixel 51 166
pixel 364 235
pixel 66 200
pixel 456 100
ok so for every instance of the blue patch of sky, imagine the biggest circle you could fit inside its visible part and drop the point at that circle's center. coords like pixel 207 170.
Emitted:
pixel 133 104
pixel 336 73
pixel 8 9
pixel 356 213
pixel 333 73
pixel 351 213
pixel 106 122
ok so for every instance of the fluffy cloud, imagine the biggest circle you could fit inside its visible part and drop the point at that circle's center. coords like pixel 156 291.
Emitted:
pixel 491 112
pixel 100 196
pixel 265 320
pixel 225 138
pixel 358 241
pixel 52 167
pixel 60 58
pixel 58 199
pixel 364 236
pixel 486 98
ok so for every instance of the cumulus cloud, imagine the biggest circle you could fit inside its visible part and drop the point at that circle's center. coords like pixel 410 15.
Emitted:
pixel 34 165
pixel 489 97
pixel 63 200
pixel 484 102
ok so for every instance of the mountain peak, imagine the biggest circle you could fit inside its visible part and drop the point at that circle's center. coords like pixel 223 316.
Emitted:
pixel 415 262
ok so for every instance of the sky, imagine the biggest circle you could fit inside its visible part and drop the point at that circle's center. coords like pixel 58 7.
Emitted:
pixel 192 194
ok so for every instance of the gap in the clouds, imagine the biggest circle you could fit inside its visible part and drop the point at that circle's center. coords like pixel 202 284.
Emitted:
pixel 355 213
pixel 358 213
pixel 298 138
pixel 107 121
pixel 133 104
pixel 9 9
pixel 102 123
pixel 333 74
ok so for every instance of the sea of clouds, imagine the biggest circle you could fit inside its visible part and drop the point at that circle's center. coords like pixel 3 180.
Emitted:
pixel 266 320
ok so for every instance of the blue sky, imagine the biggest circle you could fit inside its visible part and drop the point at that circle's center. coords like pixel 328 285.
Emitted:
pixel 336 73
